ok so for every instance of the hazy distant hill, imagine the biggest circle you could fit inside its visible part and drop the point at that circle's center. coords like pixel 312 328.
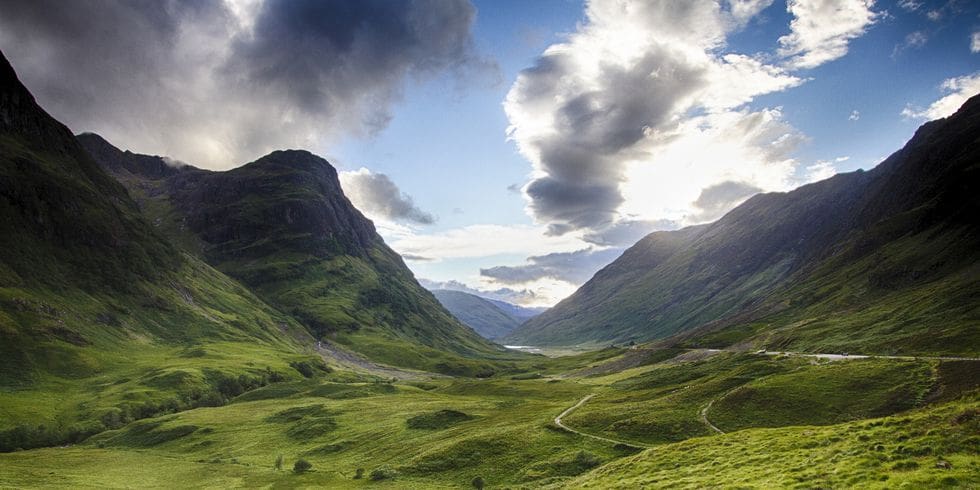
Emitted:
pixel 519 313
pixel 282 226
pixel 883 260
pixel 490 318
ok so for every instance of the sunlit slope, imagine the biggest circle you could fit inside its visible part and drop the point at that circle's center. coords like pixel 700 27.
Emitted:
pixel 444 432
pixel 282 226
pixel 880 261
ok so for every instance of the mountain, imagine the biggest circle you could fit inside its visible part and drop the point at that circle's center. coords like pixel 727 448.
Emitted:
pixel 480 314
pixel 517 312
pixel 282 226
pixel 880 261
pixel 102 320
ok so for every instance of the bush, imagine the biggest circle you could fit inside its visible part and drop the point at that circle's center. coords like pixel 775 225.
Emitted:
pixel 478 483
pixel 383 473
pixel 586 459
pixel 437 420
pixel 302 466
pixel 359 473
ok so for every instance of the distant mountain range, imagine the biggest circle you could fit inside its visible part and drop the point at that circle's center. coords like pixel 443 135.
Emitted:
pixel 493 319
pixel 881 261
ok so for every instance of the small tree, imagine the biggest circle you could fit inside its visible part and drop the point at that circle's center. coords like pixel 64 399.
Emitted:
pixel 359 473
pixel 278 463
pixel 302 466
pixel 478 483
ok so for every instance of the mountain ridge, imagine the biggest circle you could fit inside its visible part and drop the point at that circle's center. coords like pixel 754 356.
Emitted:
pixel 282 225
pixel 769 261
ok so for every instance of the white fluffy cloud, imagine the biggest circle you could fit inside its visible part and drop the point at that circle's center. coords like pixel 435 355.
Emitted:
pixel 480 241
pixel 613 119
pixel 957 91
pixel 821 29
pixel 975 42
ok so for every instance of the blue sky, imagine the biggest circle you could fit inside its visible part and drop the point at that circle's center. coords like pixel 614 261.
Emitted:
pixel 451 155
pixel 511 147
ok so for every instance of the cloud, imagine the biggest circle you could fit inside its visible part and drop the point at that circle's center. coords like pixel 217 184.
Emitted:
pixel 909 5
pixel 627 232
pixel 914 40
pixel 572 267
pixel 716 200
pixel 957 90
pixel 482 240
pixel 378 197
pixel 975 42
pixel 821 30
pixel 821 170
pixel 217 84
pixel 855 115
pixel 622 91
pixel 513 296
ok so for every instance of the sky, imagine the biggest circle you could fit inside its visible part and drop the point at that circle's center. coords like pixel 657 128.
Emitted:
pixel 506 147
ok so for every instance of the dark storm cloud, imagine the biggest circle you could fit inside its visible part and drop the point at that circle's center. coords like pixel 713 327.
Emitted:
pixel 574 267
pixel 715 200
pixel 322 54
pixel 377 195
pixel 82 56
pixel 595 132
pixel 217 86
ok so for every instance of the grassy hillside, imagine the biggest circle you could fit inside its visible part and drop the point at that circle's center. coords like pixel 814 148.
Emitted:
pixel 883 261
pixel 443 433
pixel 932 448
pixel 486 318
pixel 283 227
pixel 101 320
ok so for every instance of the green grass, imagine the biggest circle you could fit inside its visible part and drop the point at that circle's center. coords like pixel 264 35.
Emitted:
pixel 825 394
pixel 449 431
pixel 910 450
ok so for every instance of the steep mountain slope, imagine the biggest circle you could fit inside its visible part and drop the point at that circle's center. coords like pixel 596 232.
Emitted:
pixel 101 320
pixel 282 226
pixel 880 261
pixel 480 314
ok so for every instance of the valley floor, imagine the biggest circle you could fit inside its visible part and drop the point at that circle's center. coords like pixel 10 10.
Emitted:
pixel 563 423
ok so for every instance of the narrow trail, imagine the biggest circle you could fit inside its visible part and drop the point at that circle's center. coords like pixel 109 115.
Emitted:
pixel 581 402
pixel 704 418
pixel 863 356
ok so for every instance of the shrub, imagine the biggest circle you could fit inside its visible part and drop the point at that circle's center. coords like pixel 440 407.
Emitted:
pixel 478 483
pixel 302 466
pixel 359 473
pixel 383 473
pixel 437 420
pixel 586 459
